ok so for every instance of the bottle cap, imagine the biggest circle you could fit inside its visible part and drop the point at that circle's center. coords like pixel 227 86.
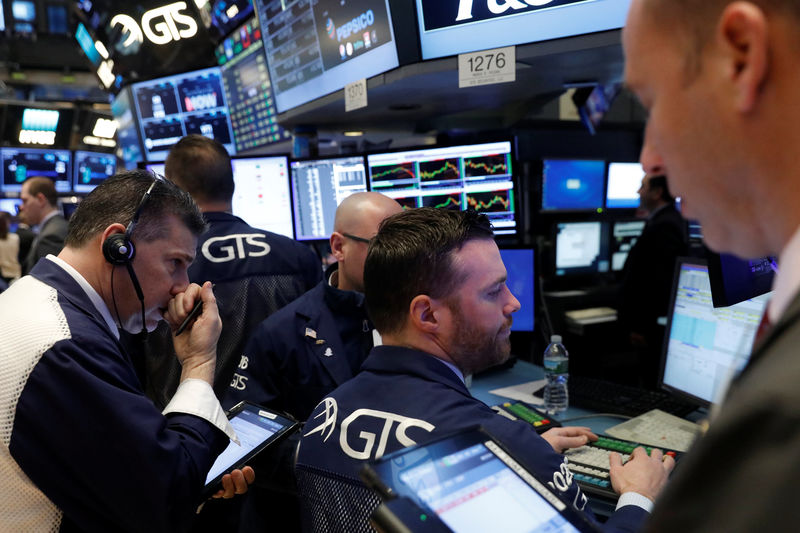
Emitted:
pixel 555 339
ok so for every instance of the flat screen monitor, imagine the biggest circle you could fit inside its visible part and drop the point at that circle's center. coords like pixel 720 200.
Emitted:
pixel 519 263
pixel 261 197
pixel 573 184
pixel 316 48
pixel 451 27
pixel 20 164
pixel 624 182
pixel 157 168
pixel 91 169
pixel 2 18
pixel 318 187
pixel 594 102
pixel 581 248
pixel 476 176
pixel 624 234
pixel 734 280
pixel 705 347
pixel 222 16
pixel 170 108
pixel 129 149
pixel 248 89
pixel 10 205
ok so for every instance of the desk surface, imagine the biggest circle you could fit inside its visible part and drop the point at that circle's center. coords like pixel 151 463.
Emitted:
pixel 523 372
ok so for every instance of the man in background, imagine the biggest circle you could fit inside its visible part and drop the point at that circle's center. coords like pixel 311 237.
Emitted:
pixel 719 79
pixel 39 210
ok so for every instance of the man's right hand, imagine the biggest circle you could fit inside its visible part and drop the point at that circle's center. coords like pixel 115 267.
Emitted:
pixel 642 474
pixel 196 347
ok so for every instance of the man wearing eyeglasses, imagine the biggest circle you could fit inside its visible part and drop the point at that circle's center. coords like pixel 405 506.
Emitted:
pixel 305 350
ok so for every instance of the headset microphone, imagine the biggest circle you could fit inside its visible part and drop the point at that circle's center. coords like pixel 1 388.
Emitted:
pixel 118 249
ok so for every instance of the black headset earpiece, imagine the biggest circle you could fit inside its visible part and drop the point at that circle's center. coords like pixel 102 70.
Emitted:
pixel 118 249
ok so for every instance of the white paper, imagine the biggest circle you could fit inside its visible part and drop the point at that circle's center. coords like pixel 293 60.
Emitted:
pixel 522 392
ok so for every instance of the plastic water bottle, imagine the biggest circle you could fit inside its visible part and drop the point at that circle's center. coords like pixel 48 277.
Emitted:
pixel 556 370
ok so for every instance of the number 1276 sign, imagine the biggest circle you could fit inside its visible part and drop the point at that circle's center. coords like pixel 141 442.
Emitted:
pixel 487 67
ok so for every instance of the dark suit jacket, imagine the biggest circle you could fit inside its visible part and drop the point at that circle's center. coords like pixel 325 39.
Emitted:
pixel 649 269
pixel 742 475
pixel 50 240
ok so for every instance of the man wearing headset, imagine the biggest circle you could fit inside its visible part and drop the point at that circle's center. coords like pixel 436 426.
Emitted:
pixel 82 448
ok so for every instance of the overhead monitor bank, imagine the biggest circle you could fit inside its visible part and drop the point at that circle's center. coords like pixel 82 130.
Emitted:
pixel 451 27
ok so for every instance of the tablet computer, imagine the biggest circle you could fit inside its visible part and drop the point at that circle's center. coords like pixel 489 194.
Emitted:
pixel 257 428
pixel 473 484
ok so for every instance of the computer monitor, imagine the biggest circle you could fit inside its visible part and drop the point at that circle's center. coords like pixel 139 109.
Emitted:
pixel 157 168
pixel 624 234
pixel 129 149
pixel 248 89
pixel 318 187
pixel 475 176
pixel 261 196
pixel 172 107
pixel 705 347
pixel 581 248
pixel 316 48
pixel 20 164
pixel 573 184
pixel 734 280
pixel 624 181
pixel 91 169
pixel 519 263
pixel 10 205
pixel 220 17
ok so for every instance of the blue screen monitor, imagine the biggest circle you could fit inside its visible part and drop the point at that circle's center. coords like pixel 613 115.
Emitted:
pixel 573 185
pixel 474 176
pixel 581 248
pixel 20 164
pixel 172 107
pixel 318 187
pixel 91 169
pixel 624 181
pixel 316 48
pixel 705 347
pixel 519 263
pixel 261 196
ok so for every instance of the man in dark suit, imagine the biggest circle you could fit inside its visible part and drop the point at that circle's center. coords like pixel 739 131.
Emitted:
pixel 719 80
pixel 648 272
pixel 39 209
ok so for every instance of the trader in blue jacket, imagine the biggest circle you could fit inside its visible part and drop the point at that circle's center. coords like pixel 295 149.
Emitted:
pixel 435 289
pixel 81 447
pixel 255 271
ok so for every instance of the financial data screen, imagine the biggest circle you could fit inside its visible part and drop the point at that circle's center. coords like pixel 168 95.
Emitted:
pixel 624 181
pixel 316 47
pixel 170 108
pixel 248 89
pixel 573 184
pixel 477 176
pixel 707 346
pixel 624 236
pixel 261 196
pixel 581 248
pixel 91 169
pixel 20 164
pixel 318 187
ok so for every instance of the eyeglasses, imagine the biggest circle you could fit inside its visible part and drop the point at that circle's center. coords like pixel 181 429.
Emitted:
pixel 356 238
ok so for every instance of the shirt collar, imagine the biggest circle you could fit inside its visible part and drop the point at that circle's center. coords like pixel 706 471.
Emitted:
pixel 452 367
pixel 90 292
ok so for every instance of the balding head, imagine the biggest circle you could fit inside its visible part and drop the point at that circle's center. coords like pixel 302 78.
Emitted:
pixel 357 220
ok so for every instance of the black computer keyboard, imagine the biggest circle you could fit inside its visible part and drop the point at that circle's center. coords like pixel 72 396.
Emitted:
pixel 607 397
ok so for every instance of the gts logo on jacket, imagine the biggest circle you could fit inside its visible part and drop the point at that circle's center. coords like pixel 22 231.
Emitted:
pixel 237 246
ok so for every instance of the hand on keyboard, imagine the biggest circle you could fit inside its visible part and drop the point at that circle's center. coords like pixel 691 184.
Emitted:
pixel 643 474
pixel 568 437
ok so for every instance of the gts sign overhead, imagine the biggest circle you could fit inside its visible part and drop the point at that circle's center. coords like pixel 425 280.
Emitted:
pixel 160 25
pixel 442 14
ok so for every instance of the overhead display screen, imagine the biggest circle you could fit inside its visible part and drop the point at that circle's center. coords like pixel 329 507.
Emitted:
pixel 169 108
pixel 477 176
pixel 315 47
pixel 20 164
pixel 248 89
pixel 128 147
pixel 451 27
pixel 91 169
